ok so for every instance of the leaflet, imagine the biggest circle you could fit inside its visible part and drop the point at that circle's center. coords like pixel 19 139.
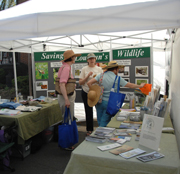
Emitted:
pixel 132 153
pixel 109 146
pixel 150 156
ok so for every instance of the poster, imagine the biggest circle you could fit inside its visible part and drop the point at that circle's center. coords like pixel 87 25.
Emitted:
pixel 124 71
pixel 41 85
pixel 141 71
pixel 55 73
pixel 77 69
pixel 139 81
pixel 41 70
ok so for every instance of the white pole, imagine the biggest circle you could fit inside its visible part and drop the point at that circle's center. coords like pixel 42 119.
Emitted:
pixel 15 76
pixel 110 50
pixel 151 60
pixel 33 73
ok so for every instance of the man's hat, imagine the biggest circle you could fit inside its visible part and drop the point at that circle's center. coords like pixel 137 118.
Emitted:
pixel 93 95
pixel 69 53
pixel 113 64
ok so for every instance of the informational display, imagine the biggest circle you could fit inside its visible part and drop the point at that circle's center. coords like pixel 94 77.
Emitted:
pixel 47 65
pixel 151 131
pixel 137 62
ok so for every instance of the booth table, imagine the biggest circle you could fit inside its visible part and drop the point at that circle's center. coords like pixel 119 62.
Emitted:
pixel 31 123
pixel 86 158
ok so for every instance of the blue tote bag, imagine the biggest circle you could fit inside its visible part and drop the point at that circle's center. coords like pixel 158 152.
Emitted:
pixel 116 99
pixel 67 132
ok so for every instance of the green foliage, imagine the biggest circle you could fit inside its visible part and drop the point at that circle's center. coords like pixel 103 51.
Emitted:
pixel 23 84
pixel 4 4
pixel 6 88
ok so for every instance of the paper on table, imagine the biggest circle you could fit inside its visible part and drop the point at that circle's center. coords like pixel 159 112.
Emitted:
pixel 109 146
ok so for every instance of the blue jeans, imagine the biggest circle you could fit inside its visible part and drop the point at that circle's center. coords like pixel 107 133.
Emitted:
pixel 102 117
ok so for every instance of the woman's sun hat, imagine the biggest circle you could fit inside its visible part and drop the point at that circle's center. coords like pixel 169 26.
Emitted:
pixel 93 95
pixel 91 55
pixel 69 53
pixel 113 64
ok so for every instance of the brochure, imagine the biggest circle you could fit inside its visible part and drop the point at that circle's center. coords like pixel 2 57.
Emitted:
pixel 121 149
pixel 109 146
pixel 95 139
pixel 121 141
pixel 132 153
pixel 150 156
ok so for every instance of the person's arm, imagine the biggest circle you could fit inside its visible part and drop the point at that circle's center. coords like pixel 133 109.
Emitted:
pixel 132 85
pixel 83 81
pixel 91 82
pixel 64 93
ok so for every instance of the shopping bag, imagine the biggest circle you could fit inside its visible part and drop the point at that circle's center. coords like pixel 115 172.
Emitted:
pixel 116 99
pixel 102 88
pixel 67 132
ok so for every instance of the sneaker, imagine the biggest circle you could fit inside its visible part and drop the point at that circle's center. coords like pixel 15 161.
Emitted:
pixel 69 148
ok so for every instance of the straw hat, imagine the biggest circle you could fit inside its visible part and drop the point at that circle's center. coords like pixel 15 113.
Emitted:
pixel 93 95
pixel 113 64
pixel 69 53
pixel 91 55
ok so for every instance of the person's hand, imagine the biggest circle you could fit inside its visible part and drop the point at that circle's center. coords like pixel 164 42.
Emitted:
pixel 67 103
pixel 90 73
pixel 142 85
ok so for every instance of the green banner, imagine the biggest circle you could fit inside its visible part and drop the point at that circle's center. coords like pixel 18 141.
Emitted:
pixel 101 57
pixel 129 53
pixel 48 56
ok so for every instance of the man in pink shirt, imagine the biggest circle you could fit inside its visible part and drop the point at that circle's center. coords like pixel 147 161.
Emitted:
pixel 65 100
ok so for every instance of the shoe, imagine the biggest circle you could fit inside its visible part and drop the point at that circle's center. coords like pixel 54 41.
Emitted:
pixel 69 148
pixel 88 133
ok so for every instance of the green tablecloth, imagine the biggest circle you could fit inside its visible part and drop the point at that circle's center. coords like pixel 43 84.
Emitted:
pixel 87 159
pixel 32 123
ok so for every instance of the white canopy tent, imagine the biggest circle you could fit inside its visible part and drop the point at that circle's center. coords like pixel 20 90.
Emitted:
pixel 87 26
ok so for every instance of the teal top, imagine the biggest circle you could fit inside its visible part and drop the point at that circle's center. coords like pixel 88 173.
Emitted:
pixel 107 82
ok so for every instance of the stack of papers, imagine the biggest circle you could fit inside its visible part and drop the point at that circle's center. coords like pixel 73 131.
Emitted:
pixel 132 153
pixel 95 139
pixel 109 146
pixel 104 132
pixel 9 112
pixel 150 156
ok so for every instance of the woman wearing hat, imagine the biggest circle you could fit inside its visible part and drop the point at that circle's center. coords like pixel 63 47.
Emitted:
pixel 87 73
pixel 65 100
pixel 108 79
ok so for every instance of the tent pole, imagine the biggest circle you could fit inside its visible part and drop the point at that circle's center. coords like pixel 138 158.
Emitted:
pixel 33 74
pixel 15 76
pixel 111 58
pixel 152 61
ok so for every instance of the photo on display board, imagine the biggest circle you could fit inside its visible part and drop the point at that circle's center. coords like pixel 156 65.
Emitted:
pixel 41 70
pixel 41 85
pixel 124 72
pixel 139 81
pixel 55 73
pixel 51 94
pixel 141 71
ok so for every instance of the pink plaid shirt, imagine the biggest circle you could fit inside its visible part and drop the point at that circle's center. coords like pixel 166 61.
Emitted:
pixel 63 73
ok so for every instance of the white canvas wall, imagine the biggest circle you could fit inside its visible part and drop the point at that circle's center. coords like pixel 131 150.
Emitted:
pixel 175 87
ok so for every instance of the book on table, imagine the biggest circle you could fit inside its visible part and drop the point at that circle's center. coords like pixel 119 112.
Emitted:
pixel 121 149
pixel 95 139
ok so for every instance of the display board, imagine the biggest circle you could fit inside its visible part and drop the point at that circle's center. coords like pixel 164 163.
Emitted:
pixel 47 65
pixel 137 68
